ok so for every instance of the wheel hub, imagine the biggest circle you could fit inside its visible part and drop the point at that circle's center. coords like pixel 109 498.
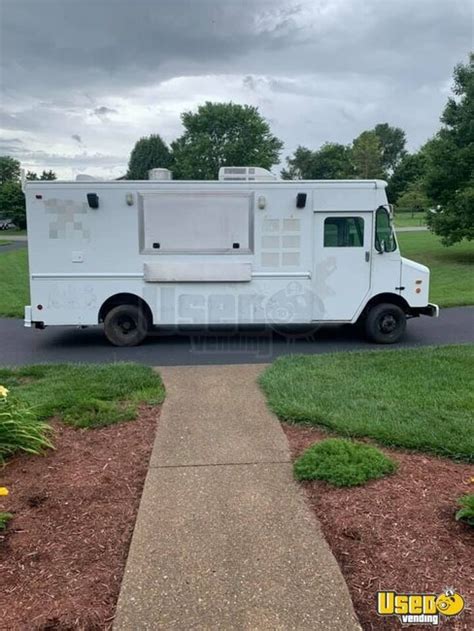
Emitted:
pixel 388 323
pixel 127 325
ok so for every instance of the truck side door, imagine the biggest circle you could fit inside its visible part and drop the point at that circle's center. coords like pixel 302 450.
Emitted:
pixel 342 263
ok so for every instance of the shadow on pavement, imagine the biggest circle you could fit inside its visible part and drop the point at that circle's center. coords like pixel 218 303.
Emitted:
pixel 224 344
pixel 217 344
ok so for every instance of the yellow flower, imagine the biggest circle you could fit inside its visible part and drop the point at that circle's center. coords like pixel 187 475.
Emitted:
pixel 3 491
pixel 3 391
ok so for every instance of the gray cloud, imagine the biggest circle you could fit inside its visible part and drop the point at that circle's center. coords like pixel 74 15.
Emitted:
pixel 78 160
pixel 129 41
pixel 114 70
pixel 11 146
pixel 103 112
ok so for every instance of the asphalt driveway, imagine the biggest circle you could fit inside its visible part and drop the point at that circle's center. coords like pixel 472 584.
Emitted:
pixel 223 345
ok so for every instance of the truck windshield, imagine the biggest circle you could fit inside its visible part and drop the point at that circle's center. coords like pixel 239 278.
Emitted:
pixel 384 235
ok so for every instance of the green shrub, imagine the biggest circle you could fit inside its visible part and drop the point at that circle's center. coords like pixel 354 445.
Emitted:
pixel 342 462
pixel 20 429
pixel 466 512
pixel 4 519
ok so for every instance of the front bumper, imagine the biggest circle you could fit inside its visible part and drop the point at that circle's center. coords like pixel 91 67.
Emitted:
pixel 430 310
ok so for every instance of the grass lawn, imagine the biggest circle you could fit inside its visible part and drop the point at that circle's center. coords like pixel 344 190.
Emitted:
pixel 405 220
pixel 15 232
pixel 14 290
pixel 4 242
pixel 420 399
pixel 452 269
pixel 84 395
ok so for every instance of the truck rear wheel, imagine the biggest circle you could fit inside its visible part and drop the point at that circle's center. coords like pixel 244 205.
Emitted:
pixel 125 325
pixel 385 323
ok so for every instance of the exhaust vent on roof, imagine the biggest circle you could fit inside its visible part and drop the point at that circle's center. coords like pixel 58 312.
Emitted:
pixel 245 174
pixel 83 177
pixel 160 174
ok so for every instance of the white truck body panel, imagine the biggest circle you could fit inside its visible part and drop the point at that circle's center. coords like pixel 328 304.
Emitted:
pixel 211 252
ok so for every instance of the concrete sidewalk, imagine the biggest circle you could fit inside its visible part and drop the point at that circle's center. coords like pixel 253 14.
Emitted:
pixel 223 538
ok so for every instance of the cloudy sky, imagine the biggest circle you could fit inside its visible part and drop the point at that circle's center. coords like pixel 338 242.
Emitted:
pixel 82 80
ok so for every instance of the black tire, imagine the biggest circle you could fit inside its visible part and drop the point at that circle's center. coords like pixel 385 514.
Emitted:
pixel 385 323
pixel 126 325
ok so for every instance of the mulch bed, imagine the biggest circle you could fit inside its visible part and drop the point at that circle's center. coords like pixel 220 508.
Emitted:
pixel 398 532
pixel 64 553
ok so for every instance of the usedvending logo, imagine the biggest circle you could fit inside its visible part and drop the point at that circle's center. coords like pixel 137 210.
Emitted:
pixel 420 608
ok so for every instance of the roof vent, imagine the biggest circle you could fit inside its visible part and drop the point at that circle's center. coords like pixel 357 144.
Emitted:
pixel 160 174
pixel 84 177
pixel 245 174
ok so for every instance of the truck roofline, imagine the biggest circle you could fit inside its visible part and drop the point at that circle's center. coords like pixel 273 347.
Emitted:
pixel 375 184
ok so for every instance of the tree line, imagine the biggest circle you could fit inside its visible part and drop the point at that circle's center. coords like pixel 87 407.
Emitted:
pixel 439 176
pixel 217 134
pixel 12 200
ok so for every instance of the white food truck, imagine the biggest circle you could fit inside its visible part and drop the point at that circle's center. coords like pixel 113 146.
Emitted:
pixel 245 249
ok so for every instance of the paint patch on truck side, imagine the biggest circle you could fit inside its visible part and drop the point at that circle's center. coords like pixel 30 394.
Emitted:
pixel 68 214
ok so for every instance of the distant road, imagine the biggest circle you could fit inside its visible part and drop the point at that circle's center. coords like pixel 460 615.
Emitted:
pixel 12 237
pixel 67 344
pixel 14 245
pixel 411 229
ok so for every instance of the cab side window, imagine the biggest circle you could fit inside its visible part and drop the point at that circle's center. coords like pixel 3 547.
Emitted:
pixel 343 232
pixel 384 237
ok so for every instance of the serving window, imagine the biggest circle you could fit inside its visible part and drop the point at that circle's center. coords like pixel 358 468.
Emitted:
pixel 199 222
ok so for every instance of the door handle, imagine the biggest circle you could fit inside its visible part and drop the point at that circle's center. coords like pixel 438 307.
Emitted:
pixel 367 256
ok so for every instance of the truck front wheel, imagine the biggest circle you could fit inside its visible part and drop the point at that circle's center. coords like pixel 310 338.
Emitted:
pixel 385 323
pixel 125 325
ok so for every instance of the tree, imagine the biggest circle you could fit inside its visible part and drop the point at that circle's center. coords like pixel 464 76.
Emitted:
pixel 220 134
pixel 392 142
pixel 414 199
pixel 410 168
pixel 450 162
pixel 367 156
pixel 12 202
pixel 48 175
pixel 9 169
pixel 148 153
pixel 331 161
